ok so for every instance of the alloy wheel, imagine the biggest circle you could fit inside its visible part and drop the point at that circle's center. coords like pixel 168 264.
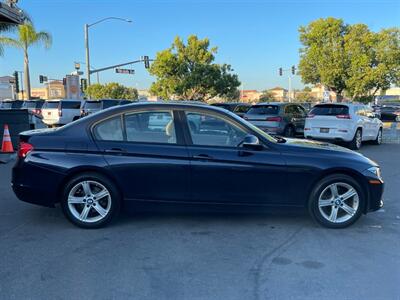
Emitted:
pixel 338 202
pixel 379 139
pixel 89 201
pixel 358 139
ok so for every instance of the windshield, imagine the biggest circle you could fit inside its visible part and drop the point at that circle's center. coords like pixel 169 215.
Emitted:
pixel 264 110
pixel 330 110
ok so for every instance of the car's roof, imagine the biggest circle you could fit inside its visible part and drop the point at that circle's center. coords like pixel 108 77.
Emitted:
pixel 272 103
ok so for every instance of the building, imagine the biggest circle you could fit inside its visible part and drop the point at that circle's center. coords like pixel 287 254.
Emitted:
pixel 7 87
pixel 9 13
pixel 279 93
pixel 318 90
pixel 52 90
pixel 249 96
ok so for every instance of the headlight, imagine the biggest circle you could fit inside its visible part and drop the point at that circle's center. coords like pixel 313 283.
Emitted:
pixel 376 171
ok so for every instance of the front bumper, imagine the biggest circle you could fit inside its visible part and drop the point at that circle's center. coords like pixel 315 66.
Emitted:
pixel 376 188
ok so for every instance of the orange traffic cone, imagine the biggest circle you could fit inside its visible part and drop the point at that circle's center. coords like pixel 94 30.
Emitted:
pixel 6 146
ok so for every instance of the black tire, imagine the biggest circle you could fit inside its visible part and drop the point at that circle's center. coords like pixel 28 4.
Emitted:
pixel 313 203
pixel 75 118
pixel 355 144
pixel 115 200
pixel 289 131
pixel 378 139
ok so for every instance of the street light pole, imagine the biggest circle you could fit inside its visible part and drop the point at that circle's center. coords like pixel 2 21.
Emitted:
pixel 87 53
pixel 86 29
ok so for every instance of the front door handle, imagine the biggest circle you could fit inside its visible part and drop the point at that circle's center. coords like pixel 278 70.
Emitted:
pixel 115 151
pixel 202 157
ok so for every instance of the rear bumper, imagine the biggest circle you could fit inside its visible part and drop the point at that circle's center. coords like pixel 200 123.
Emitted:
pixel 35 184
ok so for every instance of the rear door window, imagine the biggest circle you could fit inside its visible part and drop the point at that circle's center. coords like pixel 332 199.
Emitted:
pixel 330 110
pixel 264 110
pixel 109 130
pixel 150 127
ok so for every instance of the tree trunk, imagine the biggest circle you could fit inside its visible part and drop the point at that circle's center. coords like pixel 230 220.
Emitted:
pixel 27 80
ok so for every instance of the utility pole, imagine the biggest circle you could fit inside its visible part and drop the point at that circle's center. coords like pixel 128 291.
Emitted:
pixel 87 53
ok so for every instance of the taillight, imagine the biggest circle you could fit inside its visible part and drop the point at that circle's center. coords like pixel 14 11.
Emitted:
pixel 309 116
pixel 274 119
pixel 59 113
pixel 24 149
pixel 343 116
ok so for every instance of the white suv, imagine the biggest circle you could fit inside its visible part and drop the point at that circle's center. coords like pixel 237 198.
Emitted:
pixel 61 112
pixel 343 122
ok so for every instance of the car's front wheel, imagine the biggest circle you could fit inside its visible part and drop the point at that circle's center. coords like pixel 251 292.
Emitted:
pixel 337 201
pixel 378 139
pixel 90 200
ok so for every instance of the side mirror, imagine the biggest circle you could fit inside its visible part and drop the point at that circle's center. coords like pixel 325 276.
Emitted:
pixel 251 142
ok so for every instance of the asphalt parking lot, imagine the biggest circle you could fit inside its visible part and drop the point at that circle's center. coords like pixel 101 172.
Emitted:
pixel 192 256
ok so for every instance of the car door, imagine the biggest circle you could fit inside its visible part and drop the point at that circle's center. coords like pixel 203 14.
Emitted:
pixel 373 123
pixel 222 171
pixel 146 153
pixel 299 118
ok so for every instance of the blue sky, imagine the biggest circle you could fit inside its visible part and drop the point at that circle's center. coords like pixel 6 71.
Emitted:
pixel 255 37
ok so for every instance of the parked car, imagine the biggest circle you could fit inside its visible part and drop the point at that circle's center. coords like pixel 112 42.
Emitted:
pixel 306 105
pixel 92 106
pixel 278 118
pixel 390 113
pixel 349 123
pixel 231 106
pixel 34 108
pixel 61 112
pixel 124 102
pixel 202 156
pixel 241 109
pixel 11 104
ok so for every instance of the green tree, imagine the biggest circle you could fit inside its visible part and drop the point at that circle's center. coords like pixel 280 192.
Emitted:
pixel 322 57
pixel 374 61
pixel 349 58
pixel 266 96
pixel 111 90
pixel 187 72
pixel 27 37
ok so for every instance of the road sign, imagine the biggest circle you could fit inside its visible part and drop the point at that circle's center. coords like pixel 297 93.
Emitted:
pixel 326 96
pixel 124 71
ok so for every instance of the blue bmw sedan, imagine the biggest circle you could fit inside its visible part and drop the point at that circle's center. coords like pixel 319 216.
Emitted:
pixel 187 154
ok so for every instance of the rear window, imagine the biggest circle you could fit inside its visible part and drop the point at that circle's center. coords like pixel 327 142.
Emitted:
pixel 242 108
pixel 70 104
pixel 29 104
pixel 92 105
pixel 51 105
pixel 6 105
pixel 109 103
pixel 329 110
pixel 264 110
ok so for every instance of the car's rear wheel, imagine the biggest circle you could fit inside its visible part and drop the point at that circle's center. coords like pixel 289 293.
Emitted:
pixel 337 201
pixel 378 139
pixel 356 143
pixel 90 200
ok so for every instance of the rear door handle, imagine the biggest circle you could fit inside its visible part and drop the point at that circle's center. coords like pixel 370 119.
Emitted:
pixel 115 151
pixel 202 157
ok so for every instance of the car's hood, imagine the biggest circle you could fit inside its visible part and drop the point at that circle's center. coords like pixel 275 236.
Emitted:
pixel 327 148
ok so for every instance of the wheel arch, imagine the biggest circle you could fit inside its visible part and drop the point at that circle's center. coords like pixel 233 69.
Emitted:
pixel 358 177
pixel 87 169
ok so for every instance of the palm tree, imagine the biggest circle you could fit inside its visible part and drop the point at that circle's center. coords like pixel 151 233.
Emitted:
pixel 27 37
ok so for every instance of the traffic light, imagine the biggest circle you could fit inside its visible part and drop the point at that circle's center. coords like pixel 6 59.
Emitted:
pixel 280 71
pixel 16 82
pixel 83 84
pixel 42 78
pixel 146 62
pixel 293 70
